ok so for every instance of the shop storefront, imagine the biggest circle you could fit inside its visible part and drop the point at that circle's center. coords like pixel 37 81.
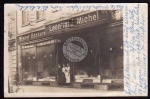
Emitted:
pixel 39 61
pixel 38 56
pixel 104 61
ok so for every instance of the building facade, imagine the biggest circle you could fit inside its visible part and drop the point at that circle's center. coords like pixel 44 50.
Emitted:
pixel 12 31
pixel 40 40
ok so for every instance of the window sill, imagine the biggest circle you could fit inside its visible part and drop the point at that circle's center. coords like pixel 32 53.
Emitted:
pixel 26 24
pixel 39 20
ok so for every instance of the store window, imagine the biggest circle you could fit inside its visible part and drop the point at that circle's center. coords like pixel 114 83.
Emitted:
pixel 25 17
pixel 46 69
pixel 40 15
pixel 87 70
pixel 29 63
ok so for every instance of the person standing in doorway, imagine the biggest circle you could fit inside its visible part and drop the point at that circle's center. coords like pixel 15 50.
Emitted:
pixel 64 69
pixel 67 73
pixel 61 76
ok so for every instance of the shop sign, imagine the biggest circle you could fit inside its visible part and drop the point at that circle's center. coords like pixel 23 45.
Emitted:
pixel 78 21
pixel 31 36
pixel 75 21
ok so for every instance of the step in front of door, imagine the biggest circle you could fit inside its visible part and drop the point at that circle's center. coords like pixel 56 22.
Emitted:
pixel 101 86
pixel 54 84
pixel 108 86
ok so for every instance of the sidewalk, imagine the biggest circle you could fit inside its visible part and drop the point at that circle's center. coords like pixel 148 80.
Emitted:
pixel 48 89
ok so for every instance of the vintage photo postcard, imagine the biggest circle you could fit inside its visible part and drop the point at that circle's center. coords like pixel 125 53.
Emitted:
pixel 76 50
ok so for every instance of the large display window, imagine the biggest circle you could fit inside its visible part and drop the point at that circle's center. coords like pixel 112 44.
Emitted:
pixel 112 53
pixel 46 68
pixel 38 61
pixel 29 63
pixel 87 70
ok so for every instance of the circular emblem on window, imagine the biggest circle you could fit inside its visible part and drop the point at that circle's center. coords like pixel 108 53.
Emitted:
pixel 75 49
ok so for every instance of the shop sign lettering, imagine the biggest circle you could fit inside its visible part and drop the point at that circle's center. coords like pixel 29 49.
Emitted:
pixel 79 20
pixel 88 18
pixel 31 36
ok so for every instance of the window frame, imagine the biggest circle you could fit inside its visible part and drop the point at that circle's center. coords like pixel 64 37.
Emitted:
pixel 26 18
pixel 42 17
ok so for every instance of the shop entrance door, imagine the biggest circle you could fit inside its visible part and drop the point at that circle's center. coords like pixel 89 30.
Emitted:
pixel 65 64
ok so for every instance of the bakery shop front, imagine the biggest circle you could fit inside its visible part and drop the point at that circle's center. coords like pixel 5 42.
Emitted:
pixel 42 51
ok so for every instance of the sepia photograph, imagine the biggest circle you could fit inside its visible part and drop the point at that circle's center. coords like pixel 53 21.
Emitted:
pixel 63 51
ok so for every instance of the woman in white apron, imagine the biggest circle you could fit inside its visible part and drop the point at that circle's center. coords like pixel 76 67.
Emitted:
pixel 67 74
